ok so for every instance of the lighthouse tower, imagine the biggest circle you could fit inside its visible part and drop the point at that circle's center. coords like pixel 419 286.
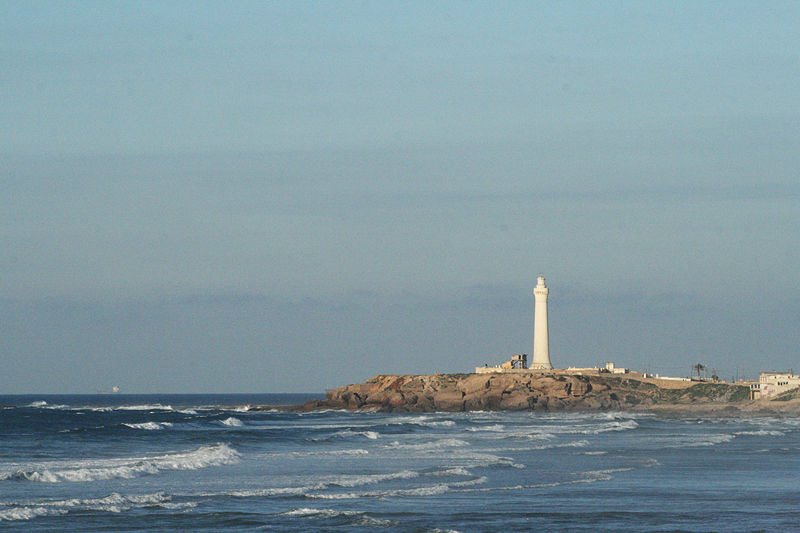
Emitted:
pixel 541 351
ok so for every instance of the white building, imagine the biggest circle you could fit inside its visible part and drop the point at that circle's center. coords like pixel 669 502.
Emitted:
pixel 772 384
pixel 611 368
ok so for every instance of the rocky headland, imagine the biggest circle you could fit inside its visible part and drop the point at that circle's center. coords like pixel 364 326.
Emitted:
pixel 543 391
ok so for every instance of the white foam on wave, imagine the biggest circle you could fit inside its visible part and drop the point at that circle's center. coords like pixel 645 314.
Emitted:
pixel 26 513
pixel 422 420
pixel 372 435
pixel 356 451
pixel 325 513
pixel 231 422
pixel 692 441
pixel 622 425
pixel 113 503
pixel 125 468
pixel 569 444
pixel 149 426
pixel 590 476
pixel 438 424
pixel 455 471
pixel 363 518
pixel 356 480
pixel 596 452
pixel 340 481
pixel 144 407
pixel 762 433
pixel 431 490
pixel 41 404
pixel 483 460
pixel 492 428
pixel 426 490
pixel 264 493
pixel 550 432
pixel 480 480
pixel 432 445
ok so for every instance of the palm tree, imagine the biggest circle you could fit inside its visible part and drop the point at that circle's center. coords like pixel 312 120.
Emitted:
pixel 698 368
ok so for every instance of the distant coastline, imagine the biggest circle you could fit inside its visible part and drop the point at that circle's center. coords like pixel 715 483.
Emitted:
pixel 546 391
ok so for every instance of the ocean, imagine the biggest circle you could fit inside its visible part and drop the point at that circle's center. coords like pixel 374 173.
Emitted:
pixel 206 463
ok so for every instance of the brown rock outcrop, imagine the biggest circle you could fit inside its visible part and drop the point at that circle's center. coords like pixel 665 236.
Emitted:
pixel 518 391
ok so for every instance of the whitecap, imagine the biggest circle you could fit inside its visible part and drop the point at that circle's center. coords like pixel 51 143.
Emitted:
pixel 549 432
pixel 26 513
pixel 432 445
pixel 41 404
pixel 364 519
pixel 686 441
pixel 493 428
pixel 355 480
pixel 623 425
pixel 231 421
pixel 762 432
pixel 569 444
pixel 591 476
pixel 372 435
pixel 325 513
pixel 455 471
pixel 357 451
pixel 145 407
pixel 113 503
pixel 309 491
pixel 150 426
pixel 484 460
pixel 265 493
pixel 125 468
pixel 431 490
pixel 425 421
pixel 480 480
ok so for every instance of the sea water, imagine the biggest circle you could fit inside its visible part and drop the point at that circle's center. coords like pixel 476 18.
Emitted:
pixel 208 463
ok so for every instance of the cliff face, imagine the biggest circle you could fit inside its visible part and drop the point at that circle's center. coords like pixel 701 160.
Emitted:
pixel 534 391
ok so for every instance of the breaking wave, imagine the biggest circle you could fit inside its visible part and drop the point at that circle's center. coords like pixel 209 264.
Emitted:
pixel 325 513
pixel 762 432
pixel 363 518
pixel 232 422
pixel 699 441
pixel 327 482
pixel 492 428
pixel 372 435
pixel 41 404
pixel 433 445
pixel 428 490
pixel 425 421
pixel 356 480
pixel 113 503
pixel 26 513
pixel 150 426
pixel 83 471
pixel 356 451
pixel 144 407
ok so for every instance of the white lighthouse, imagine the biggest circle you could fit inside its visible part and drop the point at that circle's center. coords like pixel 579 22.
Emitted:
pixel 541 350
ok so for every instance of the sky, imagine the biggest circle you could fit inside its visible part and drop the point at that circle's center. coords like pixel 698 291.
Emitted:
pixel 291 196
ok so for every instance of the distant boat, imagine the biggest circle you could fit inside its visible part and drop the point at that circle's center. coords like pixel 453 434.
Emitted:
pixel 115 389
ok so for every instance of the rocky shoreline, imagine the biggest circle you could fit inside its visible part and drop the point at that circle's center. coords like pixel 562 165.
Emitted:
pixel 542 391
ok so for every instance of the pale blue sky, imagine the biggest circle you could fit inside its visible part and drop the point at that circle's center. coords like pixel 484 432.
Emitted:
pixel 215 196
